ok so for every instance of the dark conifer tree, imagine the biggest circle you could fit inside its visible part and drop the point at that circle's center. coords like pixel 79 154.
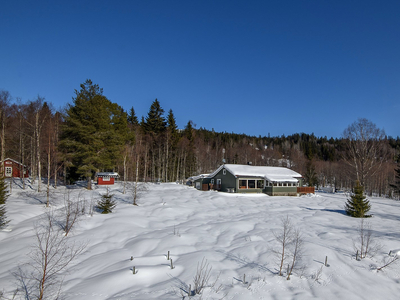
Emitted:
pixel 172 128
pixel 94 131
pixel 155 121
pixel 132 119
pixel 106 203
pixel 3 198
pixel 190 158
pixel 396 185
pixel 358 206
pixel 311 176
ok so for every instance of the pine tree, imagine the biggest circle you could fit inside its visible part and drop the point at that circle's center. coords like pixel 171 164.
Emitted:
pixel 3 198
pixel 106 204
pixel 396 184
pixel 358 206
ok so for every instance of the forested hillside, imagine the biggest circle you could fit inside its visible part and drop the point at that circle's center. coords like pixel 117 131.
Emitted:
pixel 94 134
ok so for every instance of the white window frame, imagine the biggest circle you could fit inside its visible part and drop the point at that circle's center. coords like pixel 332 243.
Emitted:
pixel 224 172
pixel 8 171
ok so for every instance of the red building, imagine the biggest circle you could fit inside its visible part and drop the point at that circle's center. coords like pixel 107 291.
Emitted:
pixel 106 178
pixel 12 168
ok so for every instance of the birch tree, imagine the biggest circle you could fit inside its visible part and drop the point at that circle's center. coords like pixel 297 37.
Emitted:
pixel 364 149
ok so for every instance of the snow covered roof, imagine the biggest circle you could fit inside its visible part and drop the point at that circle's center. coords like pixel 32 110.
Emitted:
pixel 193 178
pixel 108 174
pixel 13 160
pixel 273 174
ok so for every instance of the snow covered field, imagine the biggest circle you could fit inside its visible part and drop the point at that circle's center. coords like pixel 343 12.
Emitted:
pixel 233 232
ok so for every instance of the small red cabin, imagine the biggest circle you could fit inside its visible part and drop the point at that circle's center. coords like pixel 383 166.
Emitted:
pixel 106 178
pixel 12 168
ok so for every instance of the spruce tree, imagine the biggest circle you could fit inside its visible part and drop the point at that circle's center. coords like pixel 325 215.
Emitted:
pixel 155 121
pixel 311 176
pixel 172 129
pixel 396 185
pixel 358 206
pixel 106 204
pixel 94 132
pixel 188 132
pixel 3 198
pixel 132 118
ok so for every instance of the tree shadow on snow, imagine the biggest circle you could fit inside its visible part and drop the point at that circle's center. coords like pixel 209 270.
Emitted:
pixel 339 211
pixel 244 261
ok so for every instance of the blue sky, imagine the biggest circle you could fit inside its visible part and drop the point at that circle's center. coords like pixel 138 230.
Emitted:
pixel 254 67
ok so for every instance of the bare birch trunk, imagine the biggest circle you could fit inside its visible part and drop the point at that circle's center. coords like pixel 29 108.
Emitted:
pixel 166 160
pixel 124 191
pixel 48 177
pixel 38 151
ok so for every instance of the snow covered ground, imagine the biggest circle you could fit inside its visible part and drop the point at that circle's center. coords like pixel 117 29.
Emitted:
pixel 233 232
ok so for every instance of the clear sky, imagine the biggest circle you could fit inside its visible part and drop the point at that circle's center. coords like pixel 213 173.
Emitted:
pixel 254 67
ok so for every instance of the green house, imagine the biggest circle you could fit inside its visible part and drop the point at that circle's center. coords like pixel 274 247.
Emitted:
pixel 273 181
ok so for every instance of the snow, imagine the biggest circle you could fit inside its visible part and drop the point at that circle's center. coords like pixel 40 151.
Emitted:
pixel 233 232
pixel 107 174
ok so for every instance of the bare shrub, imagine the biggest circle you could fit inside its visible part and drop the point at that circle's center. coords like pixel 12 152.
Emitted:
pixel 72 210
pixel 4 297
pixel 51 254
pixel 136 190
pixel 290 242
pixel 389 261
pixel 365 244
pixel 284 238
pixel 297 250
pixel 318 274
pixel 200 280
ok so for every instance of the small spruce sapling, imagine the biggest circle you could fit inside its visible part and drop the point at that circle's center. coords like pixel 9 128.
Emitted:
pixel 106 204
pixel 358 206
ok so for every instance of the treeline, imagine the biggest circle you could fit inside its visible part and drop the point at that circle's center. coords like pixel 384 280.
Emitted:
pixel 93 134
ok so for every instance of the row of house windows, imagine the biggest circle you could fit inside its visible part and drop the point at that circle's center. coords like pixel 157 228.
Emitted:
pixel 251 184
pixel 259 184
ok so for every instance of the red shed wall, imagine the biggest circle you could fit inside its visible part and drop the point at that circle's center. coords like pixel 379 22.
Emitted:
pixel 101 181
pixel 15 168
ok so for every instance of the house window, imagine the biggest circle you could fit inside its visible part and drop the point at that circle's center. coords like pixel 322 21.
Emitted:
pixel 224 172
pixel 242 184
pixel 106 178
pixel 251 184
pixel 8 172
pixel 212 181
pixel 219 181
